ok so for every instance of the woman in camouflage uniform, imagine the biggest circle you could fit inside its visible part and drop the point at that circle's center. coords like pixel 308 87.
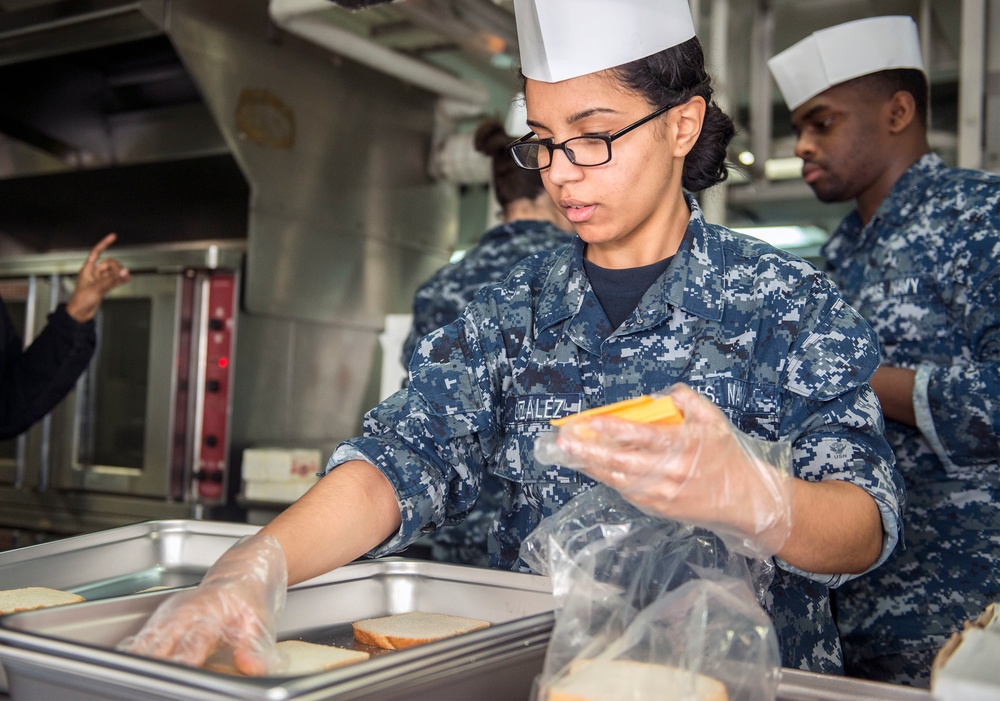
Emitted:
pixel 649 295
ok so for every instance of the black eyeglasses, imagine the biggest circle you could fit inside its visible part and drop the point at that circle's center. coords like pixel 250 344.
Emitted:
pixel 583 151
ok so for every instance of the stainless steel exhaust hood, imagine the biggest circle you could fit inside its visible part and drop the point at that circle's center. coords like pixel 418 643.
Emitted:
pixel 344 219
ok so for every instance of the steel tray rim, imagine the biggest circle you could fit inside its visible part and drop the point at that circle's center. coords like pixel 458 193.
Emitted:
pixel 21 645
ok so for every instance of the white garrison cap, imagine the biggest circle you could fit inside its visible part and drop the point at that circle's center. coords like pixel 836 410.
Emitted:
pixel 850 50
pixel 563 39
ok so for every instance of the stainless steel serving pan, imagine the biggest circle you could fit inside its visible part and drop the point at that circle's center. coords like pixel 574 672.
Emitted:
pixel 68 651
pixel 796 685
pixel 119 561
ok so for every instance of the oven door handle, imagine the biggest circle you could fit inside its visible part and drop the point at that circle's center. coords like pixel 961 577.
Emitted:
pixel 20 461
pixel 45 456
pixel 46 449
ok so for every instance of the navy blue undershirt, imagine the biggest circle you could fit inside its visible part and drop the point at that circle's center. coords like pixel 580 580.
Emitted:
pixel 619 290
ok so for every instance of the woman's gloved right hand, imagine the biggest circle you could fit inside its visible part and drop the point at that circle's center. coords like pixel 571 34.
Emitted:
pixel 234 608
pixel 701 471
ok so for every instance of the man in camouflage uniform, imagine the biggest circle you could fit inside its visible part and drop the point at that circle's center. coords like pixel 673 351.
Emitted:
pixel 920 259
pixel 760 333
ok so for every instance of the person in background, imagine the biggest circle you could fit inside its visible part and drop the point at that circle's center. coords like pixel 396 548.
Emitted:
pixel 919 258
pixel 531 224
pixel 649 296
pixel 35 379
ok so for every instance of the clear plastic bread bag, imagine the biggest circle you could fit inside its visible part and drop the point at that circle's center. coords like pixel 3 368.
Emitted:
pixel 656 595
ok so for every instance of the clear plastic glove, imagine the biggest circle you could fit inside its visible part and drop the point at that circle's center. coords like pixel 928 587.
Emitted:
pixel 234 608
pixel 702 471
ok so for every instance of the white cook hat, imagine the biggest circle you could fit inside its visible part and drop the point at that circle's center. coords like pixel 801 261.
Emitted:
pixel 563 39
pixel 832 56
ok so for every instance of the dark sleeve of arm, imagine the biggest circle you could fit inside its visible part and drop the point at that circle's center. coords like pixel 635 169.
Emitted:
pixel 36 379
pixel 956 405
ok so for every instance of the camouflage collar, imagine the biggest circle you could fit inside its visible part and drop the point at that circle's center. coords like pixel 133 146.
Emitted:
pixel 908 191
pixel 693 282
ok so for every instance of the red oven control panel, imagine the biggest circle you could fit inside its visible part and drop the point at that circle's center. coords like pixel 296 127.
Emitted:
pixel 213 452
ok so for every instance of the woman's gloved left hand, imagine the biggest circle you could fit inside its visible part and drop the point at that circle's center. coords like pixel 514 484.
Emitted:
pixel 233 610
pixel 702 471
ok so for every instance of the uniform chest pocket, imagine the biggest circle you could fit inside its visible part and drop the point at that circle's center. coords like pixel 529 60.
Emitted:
pixel 526 417
pixel 896 287
pixel 905 307
pixel 753 407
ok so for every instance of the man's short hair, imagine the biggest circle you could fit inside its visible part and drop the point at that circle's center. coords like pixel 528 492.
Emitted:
pixel 885 84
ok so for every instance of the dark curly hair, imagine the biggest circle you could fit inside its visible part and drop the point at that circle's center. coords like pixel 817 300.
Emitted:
pixel 510 181
pixel 674 76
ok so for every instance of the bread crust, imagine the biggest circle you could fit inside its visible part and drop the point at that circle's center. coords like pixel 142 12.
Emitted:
pixel 400 631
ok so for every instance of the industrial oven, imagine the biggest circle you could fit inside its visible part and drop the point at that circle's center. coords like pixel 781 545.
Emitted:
pixel 146 431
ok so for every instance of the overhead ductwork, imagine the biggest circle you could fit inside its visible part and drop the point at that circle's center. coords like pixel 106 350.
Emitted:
pixel 308 19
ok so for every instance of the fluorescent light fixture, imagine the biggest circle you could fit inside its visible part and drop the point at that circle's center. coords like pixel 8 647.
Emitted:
pixel 787 236
pixel 746 158
pixel 783 168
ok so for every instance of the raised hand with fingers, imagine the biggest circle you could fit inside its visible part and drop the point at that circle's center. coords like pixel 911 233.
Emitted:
pixel 701 470
pixel 95 279
pixel 234 609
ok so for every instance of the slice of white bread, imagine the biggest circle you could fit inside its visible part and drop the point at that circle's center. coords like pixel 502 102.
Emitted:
pixel 28 598
pixel 303 658
pixel 309 658
pixel 624 680
pixel 415 628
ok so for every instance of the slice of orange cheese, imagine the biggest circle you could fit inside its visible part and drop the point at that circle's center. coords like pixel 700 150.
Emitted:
pixel 644 409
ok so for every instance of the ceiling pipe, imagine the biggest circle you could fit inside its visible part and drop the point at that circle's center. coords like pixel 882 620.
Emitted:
pixel 69 21
pixel 714 201
pixel 971 84
pixel 481 28
pixel 761 90
pixel 304 19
